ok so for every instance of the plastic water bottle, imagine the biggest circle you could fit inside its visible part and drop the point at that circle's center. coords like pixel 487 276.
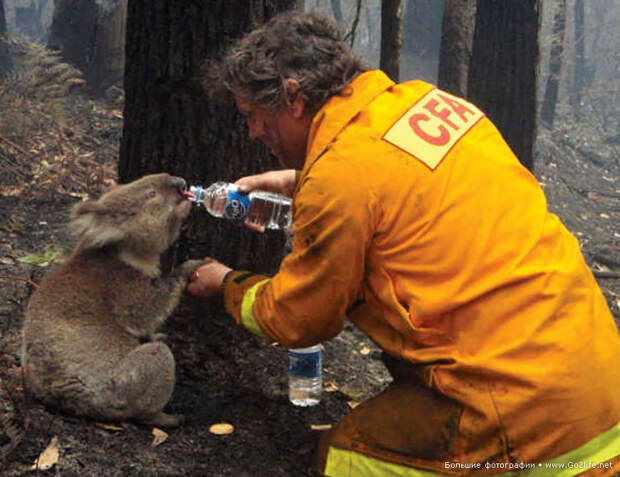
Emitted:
pixel 262 208
pixel 305 376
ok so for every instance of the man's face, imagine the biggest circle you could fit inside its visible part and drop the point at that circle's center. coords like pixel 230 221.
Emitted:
pixel 283 131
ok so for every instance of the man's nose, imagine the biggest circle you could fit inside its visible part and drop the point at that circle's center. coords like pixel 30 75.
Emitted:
pixel 257 128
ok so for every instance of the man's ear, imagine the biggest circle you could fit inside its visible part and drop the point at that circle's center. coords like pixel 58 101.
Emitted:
pixel 294 97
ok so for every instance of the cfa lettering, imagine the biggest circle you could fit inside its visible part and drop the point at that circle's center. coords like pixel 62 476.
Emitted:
pixel 435 126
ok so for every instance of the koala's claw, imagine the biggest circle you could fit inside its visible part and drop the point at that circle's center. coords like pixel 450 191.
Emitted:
pixel 188 267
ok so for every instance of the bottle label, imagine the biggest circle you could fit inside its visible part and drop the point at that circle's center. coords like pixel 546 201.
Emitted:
pixel 305 365
pixel 237 206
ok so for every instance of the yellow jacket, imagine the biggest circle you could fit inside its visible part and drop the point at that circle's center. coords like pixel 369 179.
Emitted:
pixel 413 217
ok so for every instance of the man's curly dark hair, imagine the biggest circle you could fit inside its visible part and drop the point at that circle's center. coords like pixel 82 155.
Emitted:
pixel 307 47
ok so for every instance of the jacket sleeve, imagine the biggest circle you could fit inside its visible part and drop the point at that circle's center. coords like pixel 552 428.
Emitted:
pixel 306 301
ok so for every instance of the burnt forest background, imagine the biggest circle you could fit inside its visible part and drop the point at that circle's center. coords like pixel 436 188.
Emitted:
pixel 98 92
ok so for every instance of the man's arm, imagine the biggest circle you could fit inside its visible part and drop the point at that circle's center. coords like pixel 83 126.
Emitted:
pixel 283 182
pixel 306 301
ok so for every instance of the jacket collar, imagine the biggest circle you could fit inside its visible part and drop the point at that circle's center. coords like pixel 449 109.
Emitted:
pixel 340 109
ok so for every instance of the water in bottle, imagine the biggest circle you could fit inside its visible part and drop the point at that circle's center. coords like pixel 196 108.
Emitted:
pixel 305 376
pixel 271 210
pixel 262 208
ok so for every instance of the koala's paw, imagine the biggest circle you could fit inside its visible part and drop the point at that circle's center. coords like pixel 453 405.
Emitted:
pixel 164 420
pixel 188 267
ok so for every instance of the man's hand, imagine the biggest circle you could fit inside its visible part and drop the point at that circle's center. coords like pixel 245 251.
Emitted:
pixel 283 182
pixel 207 280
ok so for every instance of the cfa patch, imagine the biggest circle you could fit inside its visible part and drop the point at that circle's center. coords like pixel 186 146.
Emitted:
pixel 432 126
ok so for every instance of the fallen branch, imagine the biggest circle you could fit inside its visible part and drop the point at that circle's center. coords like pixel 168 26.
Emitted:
pixel 586 193
pixel 16 168
pixel 605 274
pixel 15 146
pixel 603 257
pixel 15 277
pixel 606 194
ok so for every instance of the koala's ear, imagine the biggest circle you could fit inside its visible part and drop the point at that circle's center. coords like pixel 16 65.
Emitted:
pixel 94 226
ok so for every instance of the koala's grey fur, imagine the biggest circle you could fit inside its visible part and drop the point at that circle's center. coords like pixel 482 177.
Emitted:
pixel 89 339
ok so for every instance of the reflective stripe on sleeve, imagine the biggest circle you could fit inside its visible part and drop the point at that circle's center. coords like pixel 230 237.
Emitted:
pixel 247 315
pixel 601 449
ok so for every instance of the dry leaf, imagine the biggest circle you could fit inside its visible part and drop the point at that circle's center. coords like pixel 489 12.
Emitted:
pixel 160 436
pixel 48 457
pixel 11 191
pixel 320 427
pixel 331 387
pixel 109 427
pixel 353 404
pixel 221 428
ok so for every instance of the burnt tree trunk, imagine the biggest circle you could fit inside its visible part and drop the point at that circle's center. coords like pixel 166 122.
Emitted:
pixel 2 18
pixel 580 70
pixel 90 36
pixel 107 65
pixel 337 10
pixel 421 38
pixel 457 37
pixel 547 113
pixel 502 71
pixel 391 38
pixel 73 29
pixel 28 19
pixel 5 58
pixel 172 126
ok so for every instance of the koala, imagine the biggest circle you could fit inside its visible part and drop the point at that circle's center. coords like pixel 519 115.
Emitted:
pixel 90 345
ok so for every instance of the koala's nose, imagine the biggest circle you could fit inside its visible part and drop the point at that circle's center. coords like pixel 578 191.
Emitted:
pixel 177 182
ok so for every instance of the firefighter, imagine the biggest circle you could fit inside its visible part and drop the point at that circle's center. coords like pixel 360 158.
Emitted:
pixel 414 219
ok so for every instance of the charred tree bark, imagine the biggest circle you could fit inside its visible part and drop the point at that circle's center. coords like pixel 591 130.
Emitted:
pixel 457 37
pixel 2 18
pixel 28 19
pixel 369 24
pixel 391 38
pixel 90 36
pixel 5 58
pixel 547 112
pixel 73 29
pixel 337 9
pixel 502 72
pixel 580 71
pixel 107 65
pixel 421 38
pixel 171 125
